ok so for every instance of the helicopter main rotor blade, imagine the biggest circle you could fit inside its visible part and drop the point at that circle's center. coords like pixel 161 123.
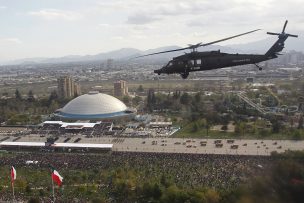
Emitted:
pixel 197 45
pixel 162 52
pixel 207 44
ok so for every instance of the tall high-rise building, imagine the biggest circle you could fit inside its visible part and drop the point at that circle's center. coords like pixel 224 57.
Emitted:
pixel 120 88
pixel 67 88
pixel 110 63
pixel 77 90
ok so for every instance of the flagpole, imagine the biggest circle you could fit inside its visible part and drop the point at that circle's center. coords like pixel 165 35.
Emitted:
pixel 13 191
pixel 13 177
pixel 53 190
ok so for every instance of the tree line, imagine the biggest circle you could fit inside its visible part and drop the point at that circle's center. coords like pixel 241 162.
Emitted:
pixel 19 110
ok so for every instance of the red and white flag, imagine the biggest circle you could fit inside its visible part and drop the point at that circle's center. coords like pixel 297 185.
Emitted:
pixel 13 174
pixel 57 177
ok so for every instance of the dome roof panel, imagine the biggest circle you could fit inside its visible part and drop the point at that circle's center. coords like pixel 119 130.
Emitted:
pixel 93 104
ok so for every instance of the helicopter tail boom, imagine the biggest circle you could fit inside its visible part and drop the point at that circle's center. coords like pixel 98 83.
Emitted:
pixel 278 46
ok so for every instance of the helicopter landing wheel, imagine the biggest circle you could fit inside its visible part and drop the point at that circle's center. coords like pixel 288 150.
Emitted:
pixel 185 75
pixel 259 67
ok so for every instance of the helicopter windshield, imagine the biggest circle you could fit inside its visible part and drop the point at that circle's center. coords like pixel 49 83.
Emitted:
pixel 169 64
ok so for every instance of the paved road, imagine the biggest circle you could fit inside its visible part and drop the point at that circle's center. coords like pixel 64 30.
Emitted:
pixel 180 145
pixel 254 147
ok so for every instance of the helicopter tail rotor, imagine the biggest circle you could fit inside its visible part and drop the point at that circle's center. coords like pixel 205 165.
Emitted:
pixel 282 34
pixel 283 31
pixel 279 44
pixel 272 33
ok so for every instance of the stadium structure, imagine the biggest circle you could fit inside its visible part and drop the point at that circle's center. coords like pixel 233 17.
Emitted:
pixel 95 106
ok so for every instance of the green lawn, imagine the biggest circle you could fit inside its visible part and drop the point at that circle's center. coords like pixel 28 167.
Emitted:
pixel 202 133
pixel 187 132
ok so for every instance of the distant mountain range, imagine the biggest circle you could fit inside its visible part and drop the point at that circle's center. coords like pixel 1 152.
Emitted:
pixel 126 53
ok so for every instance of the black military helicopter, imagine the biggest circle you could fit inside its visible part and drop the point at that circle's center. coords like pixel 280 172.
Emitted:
pixel 208 60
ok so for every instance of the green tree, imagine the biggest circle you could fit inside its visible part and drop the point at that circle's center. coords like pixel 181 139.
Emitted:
pixel 276 126
pixel 151 100
pixel 212 196
pixel 98 200
pixel 185 98
pixel 126 99
pixel 164 181
pixel 28 189
pixel 197 97
pixel 176 94
pixel 136 100
pixel 53 106
pixel 157 192
pixel 300 125
pixel 207 127
pixel 33 200
pixel 195 127
pixel 53 96
pixel 263 132
pixel 18 95
pixel 175 195
pixel 240 128
pixel 296 135
pixel 147 190
pixel 140 89
pixel 30 96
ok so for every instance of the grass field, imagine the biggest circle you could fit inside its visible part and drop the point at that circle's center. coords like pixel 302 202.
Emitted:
pixel 187 132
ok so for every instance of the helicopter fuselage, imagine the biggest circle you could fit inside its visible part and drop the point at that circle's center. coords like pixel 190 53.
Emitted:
pixel 209 60
pixel 202 61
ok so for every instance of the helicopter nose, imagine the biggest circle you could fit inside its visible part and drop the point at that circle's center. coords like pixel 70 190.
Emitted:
pixel 157 71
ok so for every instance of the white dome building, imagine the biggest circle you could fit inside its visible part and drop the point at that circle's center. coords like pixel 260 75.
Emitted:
pixel 94 106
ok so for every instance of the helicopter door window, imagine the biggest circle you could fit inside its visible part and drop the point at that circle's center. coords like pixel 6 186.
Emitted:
pixel 198 62
pixel 191 62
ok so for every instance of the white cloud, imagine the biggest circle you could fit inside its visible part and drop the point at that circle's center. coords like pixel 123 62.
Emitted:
pixel 117 38
pixel 54 14
pixel 11 40
pixel 140 36
pixel 113 5
pixel 140 19
pixel 141 24
pixel 103 25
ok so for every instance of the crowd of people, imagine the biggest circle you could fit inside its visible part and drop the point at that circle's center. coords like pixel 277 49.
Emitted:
pixel 216 171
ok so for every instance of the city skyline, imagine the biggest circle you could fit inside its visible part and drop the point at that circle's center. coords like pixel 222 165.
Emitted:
pixel 57 28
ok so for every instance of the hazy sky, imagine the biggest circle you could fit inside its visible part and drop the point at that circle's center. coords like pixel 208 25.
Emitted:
pixel 50 28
